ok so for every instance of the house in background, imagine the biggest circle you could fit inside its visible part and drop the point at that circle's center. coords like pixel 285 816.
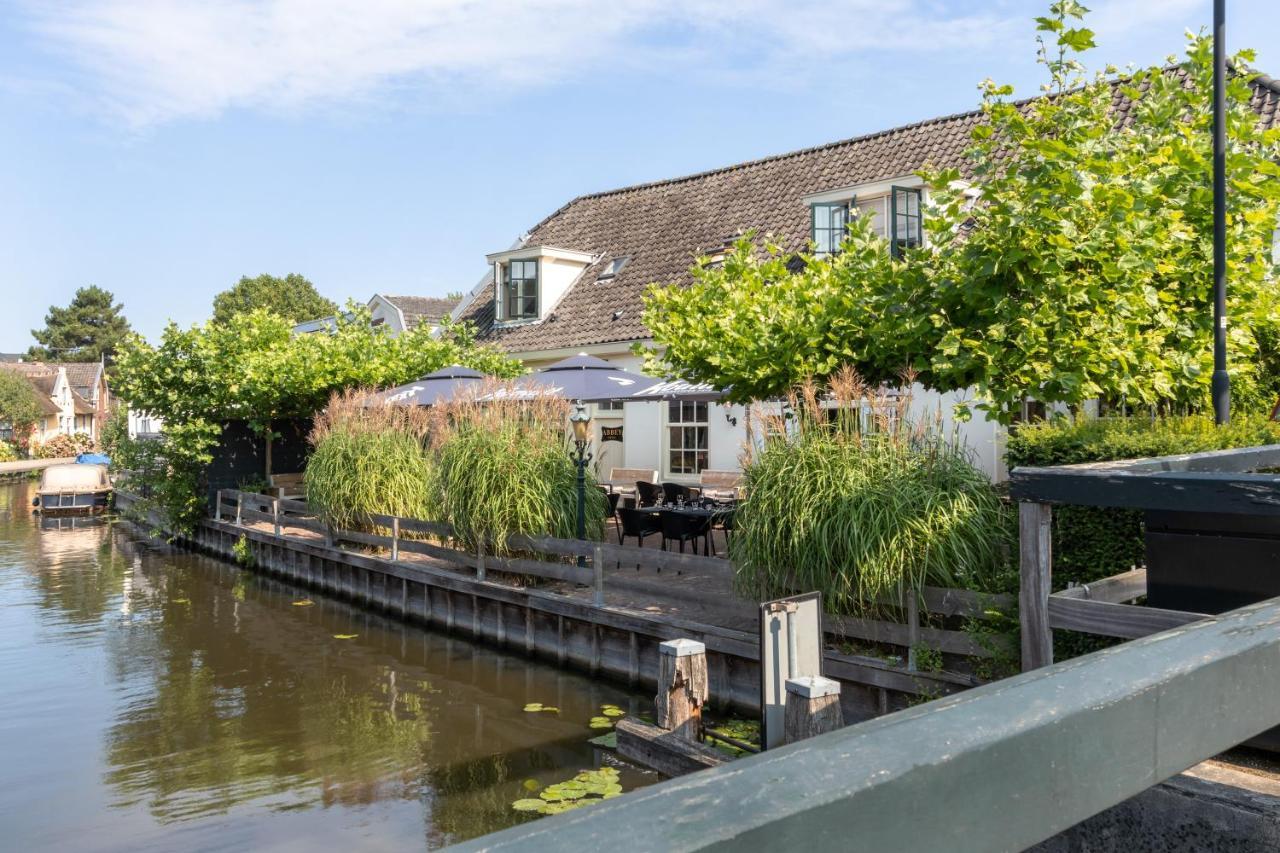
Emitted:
pixel 574 283
pixel 74 395
pixel 397 313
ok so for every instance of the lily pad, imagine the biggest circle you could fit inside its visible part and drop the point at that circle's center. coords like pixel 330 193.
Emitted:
pixel 345 636
pixel 601 723
pixel 535 707
pixel 306 602
pixel 614 712
pixel 608 741
pixel 529 805
pixel 531 784
pixel 180 600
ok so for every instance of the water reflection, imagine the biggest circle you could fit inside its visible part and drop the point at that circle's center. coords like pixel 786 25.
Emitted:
pixel 210 696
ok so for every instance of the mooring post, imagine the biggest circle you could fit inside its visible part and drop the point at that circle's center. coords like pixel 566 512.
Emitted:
pixel 1035 559
pixel 217 507
pixel 480 557
pixel 275 514
pixel 813 707
pixel 597 566
pixel 682 687
pixel 239 506
pixel 395 538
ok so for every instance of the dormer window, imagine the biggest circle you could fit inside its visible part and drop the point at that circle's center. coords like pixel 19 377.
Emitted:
pixel 829 222
pixel 908 221
pixel 520 289
pixel 895 208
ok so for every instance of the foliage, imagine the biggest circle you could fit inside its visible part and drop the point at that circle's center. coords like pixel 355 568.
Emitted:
pixel 19 405
pixel 747 731
pixel 91 328
pixel 243 553
pixel 927 658
pixel 1093 542
pixel 62 446
pixel 7 452
pixel 369 460
pixel 589 786
pixel 114 434
pixel 253 368
pixel 293 297
pixel 862 511
pixel 1082 271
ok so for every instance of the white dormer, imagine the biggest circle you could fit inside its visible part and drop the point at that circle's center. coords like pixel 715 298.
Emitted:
pixel 896 208
pixel 530 281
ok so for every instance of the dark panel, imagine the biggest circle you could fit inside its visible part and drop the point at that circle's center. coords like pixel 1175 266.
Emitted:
pixel 1207 573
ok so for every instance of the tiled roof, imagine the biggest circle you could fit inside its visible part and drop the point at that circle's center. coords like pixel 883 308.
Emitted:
pixel 665 225
pixel 418 309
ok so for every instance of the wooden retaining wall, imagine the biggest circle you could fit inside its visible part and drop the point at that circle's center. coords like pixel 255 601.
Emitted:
pixel 605 641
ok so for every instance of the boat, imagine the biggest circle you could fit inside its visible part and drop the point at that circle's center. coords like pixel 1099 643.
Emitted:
pixel 73 488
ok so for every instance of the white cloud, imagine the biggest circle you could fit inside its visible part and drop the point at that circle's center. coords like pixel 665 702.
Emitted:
pixel 152 61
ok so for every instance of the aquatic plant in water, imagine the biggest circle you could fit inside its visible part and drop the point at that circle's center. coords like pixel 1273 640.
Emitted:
pixel 589 786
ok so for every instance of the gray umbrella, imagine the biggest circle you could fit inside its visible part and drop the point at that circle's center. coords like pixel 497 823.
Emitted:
pixel 435 387
pixel 679 389
pixel 586 378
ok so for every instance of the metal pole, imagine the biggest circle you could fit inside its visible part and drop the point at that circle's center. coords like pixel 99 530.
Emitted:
pixel 1221 388
pixel 582 499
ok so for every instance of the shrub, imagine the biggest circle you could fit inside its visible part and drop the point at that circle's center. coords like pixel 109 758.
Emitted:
pixel 7 452
pixel 369 460
pixel 63 445
pixel 1094 542
pixel 860 510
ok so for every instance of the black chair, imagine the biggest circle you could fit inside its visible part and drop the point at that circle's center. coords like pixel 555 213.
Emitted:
pixel 685 527
pixel 637 523
pixel 648 494
pixel 672 492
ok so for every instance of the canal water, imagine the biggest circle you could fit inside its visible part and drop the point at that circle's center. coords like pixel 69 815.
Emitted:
pixel 155 699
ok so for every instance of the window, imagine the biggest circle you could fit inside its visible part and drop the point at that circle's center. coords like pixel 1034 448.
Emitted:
pixel 613 268
pixel 829 221
pixel 687 428
pixel 907 220
pixel 609 406
pixel 520 290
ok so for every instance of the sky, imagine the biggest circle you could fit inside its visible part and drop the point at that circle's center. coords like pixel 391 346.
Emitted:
pixel 163 149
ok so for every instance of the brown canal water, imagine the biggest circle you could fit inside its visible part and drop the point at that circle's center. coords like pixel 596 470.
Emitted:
pixel 155 699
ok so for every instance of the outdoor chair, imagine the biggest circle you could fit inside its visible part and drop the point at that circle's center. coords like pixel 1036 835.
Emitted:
pixel 682 528
pixel 637 523
pixel 648 494
pixel 720 485
pixel 672 492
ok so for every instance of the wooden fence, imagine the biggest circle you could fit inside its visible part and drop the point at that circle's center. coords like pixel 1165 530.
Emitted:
pixel 405 535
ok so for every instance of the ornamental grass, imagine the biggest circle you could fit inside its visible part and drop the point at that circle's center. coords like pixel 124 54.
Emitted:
pixel 848 496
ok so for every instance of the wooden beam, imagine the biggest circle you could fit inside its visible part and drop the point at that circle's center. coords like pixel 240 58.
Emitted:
pixel 1108 619
pixel 1176 491
pixel 813 708
pixel 668 753
pixel 1035 558
pixel 1116 589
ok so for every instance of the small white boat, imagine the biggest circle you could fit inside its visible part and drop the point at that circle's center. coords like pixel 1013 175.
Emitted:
pixel 66 489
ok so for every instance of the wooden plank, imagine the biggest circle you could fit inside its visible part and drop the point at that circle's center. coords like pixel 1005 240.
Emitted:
pixel 898 634
pixel 441 552
pixel 1035 558
pixel 666 752
pixel 540 568
pixel 1108 619
pixel 1177 491
pixel 648 557
pixel 1116 589
pixel 963 602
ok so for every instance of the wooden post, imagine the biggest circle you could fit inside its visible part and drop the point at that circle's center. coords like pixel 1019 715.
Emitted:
pixel 275 514
pixel 682 687
pixel 328 535
pixel 395 538
pixel 480 557
pixel 239 506
pixel 913 630
pixel 813 707
pixel 597 566
pixel 1035 557
pixel 217 507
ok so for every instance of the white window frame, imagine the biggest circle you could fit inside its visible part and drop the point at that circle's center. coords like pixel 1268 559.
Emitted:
pixel 667 446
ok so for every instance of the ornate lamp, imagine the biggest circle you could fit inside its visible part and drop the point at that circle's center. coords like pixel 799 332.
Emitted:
pixel 581 422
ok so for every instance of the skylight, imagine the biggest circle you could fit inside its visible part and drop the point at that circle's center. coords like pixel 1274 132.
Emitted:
pixel 613 268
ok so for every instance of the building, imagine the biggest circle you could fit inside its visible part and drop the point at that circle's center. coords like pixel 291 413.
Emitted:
pixel 398 313
pixel 74 395
pixel 574 282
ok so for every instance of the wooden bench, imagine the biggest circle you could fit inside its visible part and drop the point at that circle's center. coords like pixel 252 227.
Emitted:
pixel 288 486
pixel 622 481
pixel 720 485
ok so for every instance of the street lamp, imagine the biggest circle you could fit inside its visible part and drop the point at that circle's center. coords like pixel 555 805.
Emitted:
pixel 581 421
pixel 1221 388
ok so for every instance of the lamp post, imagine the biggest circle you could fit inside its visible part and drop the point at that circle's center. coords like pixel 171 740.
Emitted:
pixel 581 421
pixel 1221 388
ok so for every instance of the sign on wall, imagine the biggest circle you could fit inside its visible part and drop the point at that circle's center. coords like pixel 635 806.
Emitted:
pixel 611 433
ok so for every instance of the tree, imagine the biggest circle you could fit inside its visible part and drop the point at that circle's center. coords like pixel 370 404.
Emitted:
pixel 1083 270
pixel 91 328
pixel 292 297
pixel 20 408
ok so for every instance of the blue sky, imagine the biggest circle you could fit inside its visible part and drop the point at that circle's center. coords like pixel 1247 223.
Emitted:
pixel 163 149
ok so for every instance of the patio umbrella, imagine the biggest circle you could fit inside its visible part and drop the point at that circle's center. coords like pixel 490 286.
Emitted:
pixel 435 387
pixel 586 378
pixel 679 389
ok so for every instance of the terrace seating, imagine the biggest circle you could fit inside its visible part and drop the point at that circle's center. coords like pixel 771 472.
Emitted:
pixel 648 494
pixel 720 485
pixel 623 480
pixel 637 523
pixel 288 486
pixel 673 492
pixel 682 528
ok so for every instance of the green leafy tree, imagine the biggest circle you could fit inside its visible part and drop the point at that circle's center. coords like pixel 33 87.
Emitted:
pixel 90 328
pixel 1082 271
pixel 19 405
pixel 292 297
pixel 253 368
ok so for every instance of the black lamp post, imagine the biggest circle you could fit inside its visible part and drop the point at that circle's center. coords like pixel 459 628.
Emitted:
pixel 581 421
pixel 1221 388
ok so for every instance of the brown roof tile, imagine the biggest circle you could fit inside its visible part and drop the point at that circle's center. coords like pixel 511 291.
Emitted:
pixel 418 309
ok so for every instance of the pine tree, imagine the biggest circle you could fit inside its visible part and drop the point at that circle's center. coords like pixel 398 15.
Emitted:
pixel 91 328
